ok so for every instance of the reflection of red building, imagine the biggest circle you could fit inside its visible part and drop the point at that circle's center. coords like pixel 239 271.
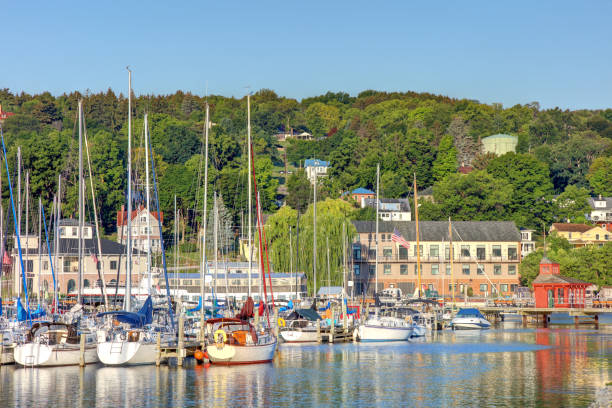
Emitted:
pixel 553 290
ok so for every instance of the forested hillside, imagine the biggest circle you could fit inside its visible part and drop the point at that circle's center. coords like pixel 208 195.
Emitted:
pixel 559 151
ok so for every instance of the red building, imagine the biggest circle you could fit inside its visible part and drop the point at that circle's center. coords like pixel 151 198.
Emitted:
pixel 4 115
pixel 553 290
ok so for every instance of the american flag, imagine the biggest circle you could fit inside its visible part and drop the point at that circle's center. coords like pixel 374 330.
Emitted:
pixel 396 237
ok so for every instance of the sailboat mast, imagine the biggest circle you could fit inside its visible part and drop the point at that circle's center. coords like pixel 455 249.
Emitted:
pixel 250 203
pixel 215 240
pixel 80 293
pixel 377 209
pixel 146 134
pixel 297 255
pixel 19 213
pixel 58 217
pixel 344 257
pixel 450 238
pixel 127 298
pixel 27 224
pixel 204 204
pixel 290 260
pixel 39 247
pixel 314 237
pixel 418 246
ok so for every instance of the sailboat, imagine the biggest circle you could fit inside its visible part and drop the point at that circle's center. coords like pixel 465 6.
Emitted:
pixel 237 340
pixel 128 338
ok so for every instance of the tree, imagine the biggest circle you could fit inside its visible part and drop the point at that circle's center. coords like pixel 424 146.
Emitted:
pixel 446 159
pixel 600 176
pixel 572 205
pixel 530 203
pixel 299 191
pixel 467 148
pixel 321 118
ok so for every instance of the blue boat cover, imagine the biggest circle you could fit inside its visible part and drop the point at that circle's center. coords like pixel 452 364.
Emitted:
pixel 22 314
pixel 143 317
pixel 198 307
pixel 38 313
pixel 0 306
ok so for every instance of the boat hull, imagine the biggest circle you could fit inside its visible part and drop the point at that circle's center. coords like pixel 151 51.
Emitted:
pixel 42 355
pixel 227 354
pixel 369 333
pixel 299 336
pixel 469 323
pixel 121 353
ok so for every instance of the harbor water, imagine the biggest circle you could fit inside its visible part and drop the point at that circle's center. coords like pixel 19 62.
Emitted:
pixel 507 366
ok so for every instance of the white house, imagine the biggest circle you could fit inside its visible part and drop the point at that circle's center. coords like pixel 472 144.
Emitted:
pixel 601 209
pixel 527 242
pixel 390 209
pixel 315 168
pixel 140 228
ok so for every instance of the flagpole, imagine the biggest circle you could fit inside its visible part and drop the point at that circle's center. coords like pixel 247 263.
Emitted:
pixel 418 246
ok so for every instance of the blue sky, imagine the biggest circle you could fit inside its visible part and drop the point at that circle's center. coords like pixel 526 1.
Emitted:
pixel 558 53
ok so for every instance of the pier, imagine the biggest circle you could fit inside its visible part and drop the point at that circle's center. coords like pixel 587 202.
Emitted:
pixel 538 315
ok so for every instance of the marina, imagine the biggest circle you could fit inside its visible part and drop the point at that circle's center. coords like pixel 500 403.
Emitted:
pixel 511 365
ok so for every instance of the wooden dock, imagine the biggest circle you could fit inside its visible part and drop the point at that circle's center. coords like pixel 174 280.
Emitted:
pixel 582 316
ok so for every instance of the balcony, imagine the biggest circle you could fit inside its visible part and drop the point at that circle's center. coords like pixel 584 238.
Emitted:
pixel 435 259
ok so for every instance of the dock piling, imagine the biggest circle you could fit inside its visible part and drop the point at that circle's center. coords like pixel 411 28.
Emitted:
pixel 82 358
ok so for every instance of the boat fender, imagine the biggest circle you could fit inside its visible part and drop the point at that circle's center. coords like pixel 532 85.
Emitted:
pixel 223 335
pixel 199 355
pixel 281 322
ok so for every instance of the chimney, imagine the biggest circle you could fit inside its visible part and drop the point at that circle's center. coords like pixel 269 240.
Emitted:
pixel 1 111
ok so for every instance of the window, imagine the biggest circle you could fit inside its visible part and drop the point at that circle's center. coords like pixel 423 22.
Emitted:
pixel 511 269
pixel 503 287
pixel 403 269
pixel 597 237
pixel 447 252
pixel 466 269
pixel 74 231
pixel 357 252
pixel 484 287
pixel 45 265
pixel 71 285
pixel 480 253
pixel 496 269
pixel 29 264
pixel 187 282
pixel 371 254
pixel 435 269
pixel 113 265
pixel 465 251
pixel 450 287
pixel 416 272
pixel 372 270
pixel 143 219
pixel 479 269
pixel 420 250
pixel 448 270
pixel 403 253
pixel 607 237
pixel 387 252
pixel 86 283
pixel 497 251
pixel 356 269
pixel 513 287
pixel 512 253
pixel 387 269
pixel 434 251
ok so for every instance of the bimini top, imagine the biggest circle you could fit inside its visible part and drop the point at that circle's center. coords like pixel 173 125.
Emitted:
pixel 469 312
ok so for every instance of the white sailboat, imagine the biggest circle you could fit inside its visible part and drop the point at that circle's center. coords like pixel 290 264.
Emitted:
pixel 54 344
pixel 237 342
pixel 384 328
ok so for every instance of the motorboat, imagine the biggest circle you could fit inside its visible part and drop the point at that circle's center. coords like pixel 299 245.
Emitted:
pixel 469 319
pixel 236 341
pixel 385 328
pixel 55 344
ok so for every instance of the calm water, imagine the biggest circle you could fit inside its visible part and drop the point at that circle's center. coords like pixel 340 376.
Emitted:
pixel 505 367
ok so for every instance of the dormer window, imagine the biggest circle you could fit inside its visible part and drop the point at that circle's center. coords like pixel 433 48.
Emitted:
pixel 75 232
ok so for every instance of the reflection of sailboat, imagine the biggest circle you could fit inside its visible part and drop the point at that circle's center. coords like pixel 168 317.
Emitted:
pixel 54 344
pixel 7 345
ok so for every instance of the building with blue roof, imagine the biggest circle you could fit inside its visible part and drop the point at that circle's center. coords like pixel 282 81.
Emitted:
pixel 315 168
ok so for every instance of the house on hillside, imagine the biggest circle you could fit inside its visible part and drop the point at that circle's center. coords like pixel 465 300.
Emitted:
pixel 315 168
pixel 390 209
pixel 142 220
pixel 360 194
pixel 282 136
pixel 601 211
pixel 499 144
pixel 527 242
pixel 580 235
pixel 4 115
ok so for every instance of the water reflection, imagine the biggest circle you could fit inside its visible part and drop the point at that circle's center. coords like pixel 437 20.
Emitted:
pixel 511 366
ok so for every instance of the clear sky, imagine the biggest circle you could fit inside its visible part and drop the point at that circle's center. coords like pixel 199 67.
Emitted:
pixel 558 53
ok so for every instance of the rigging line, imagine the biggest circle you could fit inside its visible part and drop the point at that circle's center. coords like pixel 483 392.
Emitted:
pixel 478 264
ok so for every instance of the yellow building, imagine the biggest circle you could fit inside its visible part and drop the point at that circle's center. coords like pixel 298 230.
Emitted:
pixel 581 234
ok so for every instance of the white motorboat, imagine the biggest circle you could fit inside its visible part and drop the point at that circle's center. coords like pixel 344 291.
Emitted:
pixel 54 344
pixel 469 319
pixel 236 341
pixel 300 326
pixel 384 329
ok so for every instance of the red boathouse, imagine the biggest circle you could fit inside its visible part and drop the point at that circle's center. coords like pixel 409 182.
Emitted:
pixel 553 290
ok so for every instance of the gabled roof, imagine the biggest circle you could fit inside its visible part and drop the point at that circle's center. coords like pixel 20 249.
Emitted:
pixel 546 278
pixel 362 190
pixel 329 290
pixel 122 215
pixel 70 246
pixel 567 227
pixel 608 201
pixel 403 202
pixel 504 231
pixel 315 163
